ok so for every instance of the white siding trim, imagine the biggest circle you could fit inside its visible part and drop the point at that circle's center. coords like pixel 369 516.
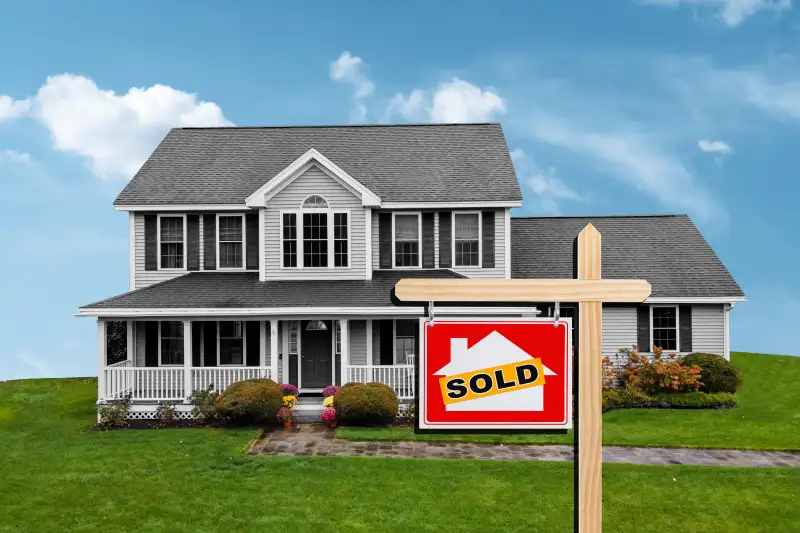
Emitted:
pixel 131 251
pixel 507 243
pixel 696 300
pixel 262 248
pixel 727 326
pixel 448 205
pixel 181 207
pixel 368 239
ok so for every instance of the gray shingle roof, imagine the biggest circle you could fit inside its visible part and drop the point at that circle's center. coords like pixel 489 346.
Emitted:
pixel 204 290
pixel 667 251
pixel 399 163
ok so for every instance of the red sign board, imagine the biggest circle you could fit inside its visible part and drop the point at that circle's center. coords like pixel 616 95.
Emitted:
pixel 495 373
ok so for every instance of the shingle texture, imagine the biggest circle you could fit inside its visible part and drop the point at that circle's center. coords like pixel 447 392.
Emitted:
pixel 667 251
pixel 231 290
pixel 400 163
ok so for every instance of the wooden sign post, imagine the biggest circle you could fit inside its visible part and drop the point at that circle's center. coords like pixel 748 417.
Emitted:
pixel 590 291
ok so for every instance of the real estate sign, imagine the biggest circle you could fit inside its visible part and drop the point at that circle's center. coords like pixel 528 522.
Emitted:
pixel 496 373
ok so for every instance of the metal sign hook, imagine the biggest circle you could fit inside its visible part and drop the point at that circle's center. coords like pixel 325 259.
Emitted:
pixel 556 314
pixel 430 314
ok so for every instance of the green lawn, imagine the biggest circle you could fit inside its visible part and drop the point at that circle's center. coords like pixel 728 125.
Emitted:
pixel 58 476
pixel 767 418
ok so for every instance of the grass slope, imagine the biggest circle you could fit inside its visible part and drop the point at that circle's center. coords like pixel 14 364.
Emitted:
pixel 768 417
pixel 57 476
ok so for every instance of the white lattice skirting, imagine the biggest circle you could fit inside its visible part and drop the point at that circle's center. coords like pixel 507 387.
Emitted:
pixel 151 415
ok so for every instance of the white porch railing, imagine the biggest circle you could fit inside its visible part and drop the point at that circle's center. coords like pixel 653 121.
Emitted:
pixel 221 377
pixel 399 377
pixel 169 383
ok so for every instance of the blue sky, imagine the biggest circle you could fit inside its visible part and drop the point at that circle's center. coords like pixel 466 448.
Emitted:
pixel 631 106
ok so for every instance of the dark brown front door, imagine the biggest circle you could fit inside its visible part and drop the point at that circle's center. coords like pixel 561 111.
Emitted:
pixel 316 347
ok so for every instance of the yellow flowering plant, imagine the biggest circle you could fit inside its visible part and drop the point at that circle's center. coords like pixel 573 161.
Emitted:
pixel 327 402
pixel 289 401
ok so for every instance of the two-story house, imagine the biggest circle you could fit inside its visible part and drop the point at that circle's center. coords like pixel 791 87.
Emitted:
pixel 274 252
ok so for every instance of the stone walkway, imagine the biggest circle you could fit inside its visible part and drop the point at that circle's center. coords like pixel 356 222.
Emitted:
pixel 319 440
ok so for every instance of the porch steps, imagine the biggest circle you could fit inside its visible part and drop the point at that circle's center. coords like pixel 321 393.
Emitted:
pixel 308 408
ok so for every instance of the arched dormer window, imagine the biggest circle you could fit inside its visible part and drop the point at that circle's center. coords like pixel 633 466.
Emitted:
pixel 315 201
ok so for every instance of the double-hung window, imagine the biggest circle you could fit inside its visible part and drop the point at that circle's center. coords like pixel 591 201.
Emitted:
pixel 171 343
pixel 467 239
pixel 315 236
pixel 171 238
pixel 406 231
pixel 665 327
pixel 230 230
pixel 231 343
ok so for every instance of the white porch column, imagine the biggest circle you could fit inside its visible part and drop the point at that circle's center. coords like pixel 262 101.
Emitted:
pixel 131 346
pixel 273 349
pixel 286 327
pixel 102 358
pixel 187 359
pixel 345 355
pixel 368 229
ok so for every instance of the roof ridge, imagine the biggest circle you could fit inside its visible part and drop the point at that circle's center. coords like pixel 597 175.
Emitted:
pixel 416 124
pixel 674 215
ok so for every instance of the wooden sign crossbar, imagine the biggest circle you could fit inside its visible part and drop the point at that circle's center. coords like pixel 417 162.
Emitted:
pixel 590 291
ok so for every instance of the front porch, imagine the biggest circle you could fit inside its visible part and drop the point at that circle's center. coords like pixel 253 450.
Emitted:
pixel 167 360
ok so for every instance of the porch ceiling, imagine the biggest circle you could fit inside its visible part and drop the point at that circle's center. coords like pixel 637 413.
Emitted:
pixel 217 290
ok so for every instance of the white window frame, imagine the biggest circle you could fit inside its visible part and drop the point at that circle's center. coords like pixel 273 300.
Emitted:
pixel 244 242
pixel 303 203
pixel 337 339
pixel 300 247
pixel 480 238
pixel 244 343
pixel 394 342
pixel 159 344
pixel 677 329
pixel 158 242
pixel 419 240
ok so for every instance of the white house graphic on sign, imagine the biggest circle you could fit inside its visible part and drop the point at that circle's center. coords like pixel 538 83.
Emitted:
pixel 492 350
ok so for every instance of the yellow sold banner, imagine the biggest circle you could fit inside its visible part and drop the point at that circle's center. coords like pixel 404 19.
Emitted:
pixel 491 381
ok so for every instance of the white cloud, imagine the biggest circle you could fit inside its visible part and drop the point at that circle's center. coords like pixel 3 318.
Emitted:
pixel 43 368
pixel 116 132
pixel 10 108
pixel 543 183
pixel 13 156
pixel 461 101
pixel 730 12
pixel 349 69
pixel 454 101
pixel 635 160
pixel 714 147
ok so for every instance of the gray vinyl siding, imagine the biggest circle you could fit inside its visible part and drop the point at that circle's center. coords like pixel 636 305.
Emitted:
pixel 500 253
pixel 619 328
pixel 141 277
pixel 376 343
pixel 315 181
pixel 708 329
pixel 358 342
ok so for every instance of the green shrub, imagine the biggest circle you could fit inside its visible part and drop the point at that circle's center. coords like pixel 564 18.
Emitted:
pixel 406 417
pixel 251 401
pixel 114 414
pixel 205 407
pixel 363 405
pixel 695 400
pixel 166 415
pixel 624 398
pixel 717 374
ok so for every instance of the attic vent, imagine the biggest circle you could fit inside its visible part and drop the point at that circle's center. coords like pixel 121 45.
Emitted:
pixel 315 202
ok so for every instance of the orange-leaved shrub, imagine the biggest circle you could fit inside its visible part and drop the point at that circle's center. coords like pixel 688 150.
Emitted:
pixel 659 374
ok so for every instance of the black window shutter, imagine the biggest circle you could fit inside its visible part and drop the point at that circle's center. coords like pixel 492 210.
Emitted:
pixel 151 344
pixel 193 246
pixel 253 339
pixel 251 232
pixel 210 343
pixel 445 235
pixel 387 342
pixel 150 242
pixel 197 334
pixel 385 240
pixel 685 325
pixel 488 239
pixel 428 260
pixel 210 242
pixel 643 328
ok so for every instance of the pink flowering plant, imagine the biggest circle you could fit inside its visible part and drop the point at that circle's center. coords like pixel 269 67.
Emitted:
pixel 288 389
pixel 328 416
pixel 330 390
pixel 284 414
